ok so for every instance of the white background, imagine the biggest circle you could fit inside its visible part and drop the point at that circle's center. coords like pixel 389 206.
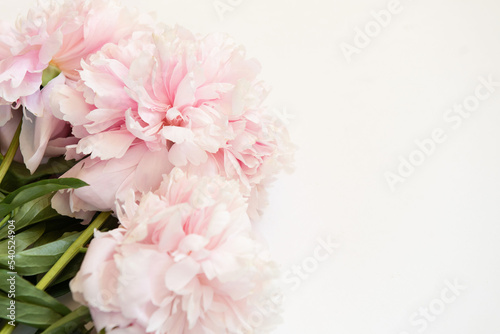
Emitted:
pixel 352 121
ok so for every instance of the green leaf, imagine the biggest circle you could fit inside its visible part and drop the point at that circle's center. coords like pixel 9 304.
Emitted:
pixel 60 286
pixel 30 213
pixel 57 227
pixel 73 250
pixel 34 190
pixel 47 238
pixel 59 290
pixel 26 292
pixel 40 259
pixel 32 315
pixel 70 270
pixel 18 175
pixel 70 323
pixel 22 240
pixel 53 167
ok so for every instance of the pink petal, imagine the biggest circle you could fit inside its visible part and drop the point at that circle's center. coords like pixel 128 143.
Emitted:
pixel 181 273
pixel 106 145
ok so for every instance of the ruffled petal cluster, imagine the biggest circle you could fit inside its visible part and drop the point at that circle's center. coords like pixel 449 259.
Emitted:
pixel 171 132
pixel 184 262
pixel 140 170
pixel 197 99
pixel 50 43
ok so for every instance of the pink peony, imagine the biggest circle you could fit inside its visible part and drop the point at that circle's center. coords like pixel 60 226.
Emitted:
pixel 55 140
pixel 198 98
pixel 184 262
pixel 53 38
pixel 139 169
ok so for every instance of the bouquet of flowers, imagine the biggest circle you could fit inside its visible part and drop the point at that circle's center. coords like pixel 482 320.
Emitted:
pixel 135 158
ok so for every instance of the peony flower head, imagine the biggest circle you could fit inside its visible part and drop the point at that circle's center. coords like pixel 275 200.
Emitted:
pixel 183 262
pixel 199 99
pixel 138 170
pixel 45 48
pixel 57 35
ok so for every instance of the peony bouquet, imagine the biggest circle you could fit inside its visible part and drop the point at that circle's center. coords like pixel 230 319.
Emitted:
pixel 134 161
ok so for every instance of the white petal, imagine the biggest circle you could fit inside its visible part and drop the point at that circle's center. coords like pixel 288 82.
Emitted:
pixel 180 274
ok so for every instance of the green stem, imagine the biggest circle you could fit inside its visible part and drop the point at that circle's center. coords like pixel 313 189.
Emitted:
pixel 11 152
pixel 75 319
pixel 4 220
pixel 72 251
pixel 7 329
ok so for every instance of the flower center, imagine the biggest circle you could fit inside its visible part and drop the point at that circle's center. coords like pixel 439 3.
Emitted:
pixel 173 117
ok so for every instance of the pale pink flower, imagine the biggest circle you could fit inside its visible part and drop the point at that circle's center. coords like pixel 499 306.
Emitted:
pixel 54 142
pixel 184 262
pixel 138 170
pixel 199 98
pixel 6 42
pixel 56 36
